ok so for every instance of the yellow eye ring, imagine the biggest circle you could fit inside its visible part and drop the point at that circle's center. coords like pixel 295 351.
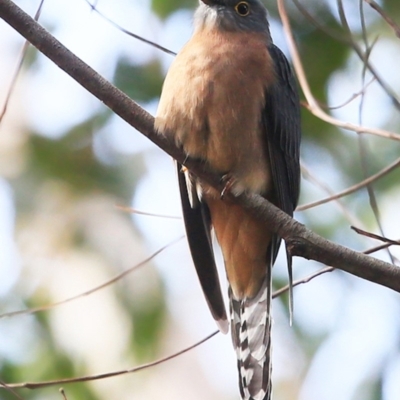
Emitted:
pixel 242 8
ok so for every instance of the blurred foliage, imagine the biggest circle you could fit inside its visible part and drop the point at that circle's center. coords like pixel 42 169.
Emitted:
pixel 371 389
pixel 331 57
pixel 52 363
pixel 148 323
pixel 72 160
pixel 164 8
pixel 392 8
pixel 140 82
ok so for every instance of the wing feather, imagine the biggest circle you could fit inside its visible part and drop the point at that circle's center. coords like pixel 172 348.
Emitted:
pixel 282 127
pixel 281 121
pixel 198 230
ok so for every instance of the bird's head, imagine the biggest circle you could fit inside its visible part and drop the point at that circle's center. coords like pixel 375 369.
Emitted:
pixel 233 15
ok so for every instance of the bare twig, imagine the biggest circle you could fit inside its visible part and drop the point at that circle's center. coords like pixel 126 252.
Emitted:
pixel 313 105
pixel 19 67
pixel 307 279
pixel 353 96
pixel 378 248
pixel 129 33
pixel 351 217
pixel 385 16
pixel 364 56
pixel 11 390
pixel 322 271
pixel 375 236
pixel 131 210
pixel 347 40
pixel 382 238
pixel 91 291
pixel 301 241
pixel 37 385
pixel 353 188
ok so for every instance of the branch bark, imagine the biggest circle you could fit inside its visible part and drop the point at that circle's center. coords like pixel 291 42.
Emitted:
pixel 301 241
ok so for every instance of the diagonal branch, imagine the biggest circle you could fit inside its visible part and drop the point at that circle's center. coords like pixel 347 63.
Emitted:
pixel 302 242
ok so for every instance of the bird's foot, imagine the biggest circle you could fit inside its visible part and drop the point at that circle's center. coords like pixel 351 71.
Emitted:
pixel 229 182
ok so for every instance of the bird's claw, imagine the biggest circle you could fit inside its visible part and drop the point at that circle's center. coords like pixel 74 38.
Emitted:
pixel 228 181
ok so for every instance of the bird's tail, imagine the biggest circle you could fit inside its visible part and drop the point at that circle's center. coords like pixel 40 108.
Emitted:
pixel 251 334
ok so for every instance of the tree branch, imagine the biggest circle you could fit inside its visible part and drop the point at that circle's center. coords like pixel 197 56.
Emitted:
pixel 301 241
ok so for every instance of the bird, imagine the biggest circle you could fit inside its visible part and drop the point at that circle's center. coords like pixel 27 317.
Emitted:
pixel 230 100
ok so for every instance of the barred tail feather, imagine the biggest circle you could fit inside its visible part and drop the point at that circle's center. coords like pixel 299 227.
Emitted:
pixel 251 336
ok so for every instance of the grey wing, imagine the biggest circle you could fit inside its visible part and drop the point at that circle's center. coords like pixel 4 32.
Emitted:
pixel 282 127
pixel 198 230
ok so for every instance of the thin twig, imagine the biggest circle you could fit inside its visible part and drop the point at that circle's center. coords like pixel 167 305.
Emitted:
pixel 91 291
pixel 56 382
pixel 17 71
pixel 378 248
pixel 322 271
pixel 346 40
pixel 375 236
pixel 313 105
pixel 9 389
pixel 129 33
pixel 385 16
pixel 322 185
pixel 131 210
pixel 353 188
pixel 364 156
pixel 353 96
pixel 388 242
pixel 307 279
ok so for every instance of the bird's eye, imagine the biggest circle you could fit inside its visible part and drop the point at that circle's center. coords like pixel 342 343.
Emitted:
pixel 242 8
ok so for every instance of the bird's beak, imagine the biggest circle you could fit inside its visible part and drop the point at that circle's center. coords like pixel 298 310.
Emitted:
pixel 207 2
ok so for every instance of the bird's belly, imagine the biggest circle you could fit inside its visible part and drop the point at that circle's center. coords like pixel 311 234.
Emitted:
pixel 212 106
pixel 244 241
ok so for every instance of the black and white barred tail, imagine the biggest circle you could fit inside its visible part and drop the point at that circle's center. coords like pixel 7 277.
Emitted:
pixel 251 336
